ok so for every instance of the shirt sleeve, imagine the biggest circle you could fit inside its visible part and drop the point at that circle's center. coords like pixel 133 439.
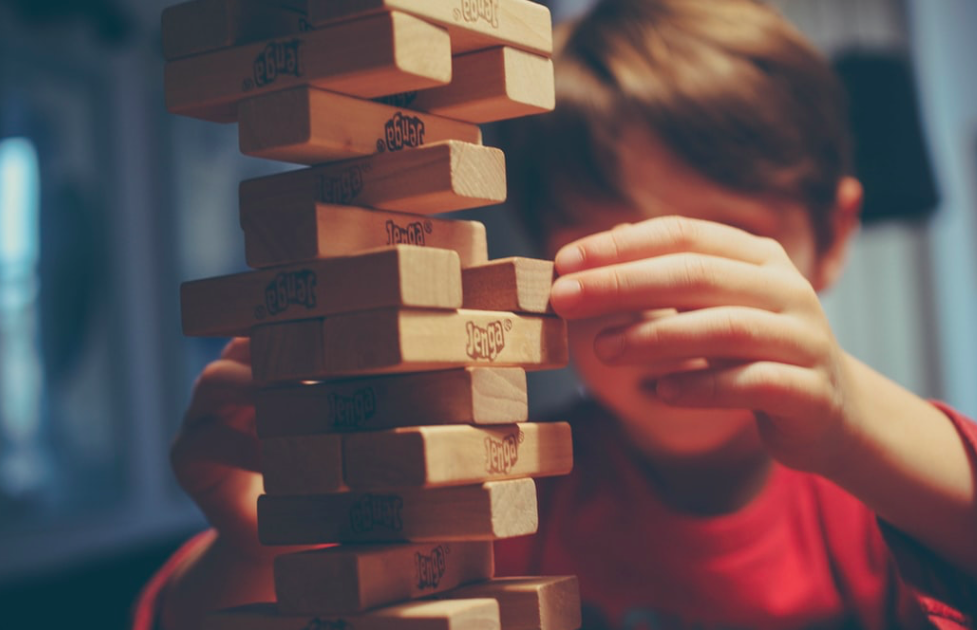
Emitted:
pixel 947 594
pixel 147 610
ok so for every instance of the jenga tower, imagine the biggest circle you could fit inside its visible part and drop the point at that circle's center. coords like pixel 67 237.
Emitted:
pixel 390 352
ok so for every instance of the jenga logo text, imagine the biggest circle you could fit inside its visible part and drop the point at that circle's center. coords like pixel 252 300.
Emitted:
pixel 410 234
pixel 277 59
pixel 375 511
pixel 487 342
pixel 431 567
pixel 475 10
pixel 352 411
pixel 328 624
pixel 402 132
pixel 404 99
pixel 502 455
pixel 293 287
pixel 341 188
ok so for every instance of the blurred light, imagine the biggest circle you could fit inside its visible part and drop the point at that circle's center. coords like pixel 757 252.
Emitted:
pixel 19 224
pixel 21 372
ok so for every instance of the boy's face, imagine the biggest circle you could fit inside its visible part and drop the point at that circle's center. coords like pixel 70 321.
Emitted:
pixel 661 186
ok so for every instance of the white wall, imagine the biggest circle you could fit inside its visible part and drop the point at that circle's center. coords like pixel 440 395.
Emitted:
pixel 908 300
pixel 945 53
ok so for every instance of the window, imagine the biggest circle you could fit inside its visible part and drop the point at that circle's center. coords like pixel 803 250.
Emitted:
pixel 22 457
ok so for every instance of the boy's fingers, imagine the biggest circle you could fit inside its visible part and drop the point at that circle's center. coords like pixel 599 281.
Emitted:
pixel 238 349
pixel 737 333
pixel 775 389
pixel 213 443
pixel 222 383
pixel 662 236
pixel 681 281
pixel 217 467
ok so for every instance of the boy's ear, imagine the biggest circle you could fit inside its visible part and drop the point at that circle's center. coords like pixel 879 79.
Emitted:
pixel 844 225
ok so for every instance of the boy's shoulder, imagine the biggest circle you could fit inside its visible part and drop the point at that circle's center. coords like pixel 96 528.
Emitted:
pixel 798 520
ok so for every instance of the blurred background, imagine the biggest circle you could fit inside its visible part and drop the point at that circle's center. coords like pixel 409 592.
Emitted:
pixel 107 203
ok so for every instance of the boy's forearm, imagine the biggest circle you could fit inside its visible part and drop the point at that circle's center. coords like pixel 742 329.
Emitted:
pixel 216 577
pixel 907 462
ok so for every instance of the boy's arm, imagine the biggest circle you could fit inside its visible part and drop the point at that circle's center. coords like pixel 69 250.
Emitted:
pixel 744 307
pixel 213 576
pixel 912 463
pixel 148 608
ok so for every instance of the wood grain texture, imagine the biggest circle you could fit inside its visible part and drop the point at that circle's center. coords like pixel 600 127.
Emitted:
pixel 304 231
pixel 489 85
pixel 315 463
pixel 462 614
pixel 521 285
pixel 440 177
pixel 353 578
pixel 306 125
pixel 200 26
pixel 402 275
pixel 490 511
pixel 380 55
pixel 530 603
pixel 472 25
pixel 430 457
pixel 465 396
pixel 402 340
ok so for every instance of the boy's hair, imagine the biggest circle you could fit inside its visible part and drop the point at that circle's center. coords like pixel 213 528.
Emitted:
pixel 728 86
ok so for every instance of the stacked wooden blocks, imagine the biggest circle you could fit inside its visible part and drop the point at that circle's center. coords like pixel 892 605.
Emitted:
pixel 390 352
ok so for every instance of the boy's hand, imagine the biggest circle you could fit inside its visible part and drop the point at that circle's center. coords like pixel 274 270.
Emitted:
pixel 215 455
pixel 741 306
pixel 215 458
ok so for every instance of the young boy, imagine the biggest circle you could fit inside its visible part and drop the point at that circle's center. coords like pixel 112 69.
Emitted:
pixel 735 468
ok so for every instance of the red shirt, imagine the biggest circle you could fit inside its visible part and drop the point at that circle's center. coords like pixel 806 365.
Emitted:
pixel 802 554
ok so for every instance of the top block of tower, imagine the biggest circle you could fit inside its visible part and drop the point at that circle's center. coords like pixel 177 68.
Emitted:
pixel 199 26
pixel 379 55
pixel 472 24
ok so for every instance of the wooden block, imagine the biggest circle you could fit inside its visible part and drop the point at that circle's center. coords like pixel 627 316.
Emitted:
pixel 353 578
pixel 306 231
pixel 315 462
pixel 436 178
pixel 401 340
pixel 455 455
pixel 489 85
pixel 403 275
pixel 473 24
pixel 521 285
pixel 466 396
pixel 457 614
pixel 498 509
pixel 199 26
pixel 310 126
pixel 376 56
pixel 530 603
